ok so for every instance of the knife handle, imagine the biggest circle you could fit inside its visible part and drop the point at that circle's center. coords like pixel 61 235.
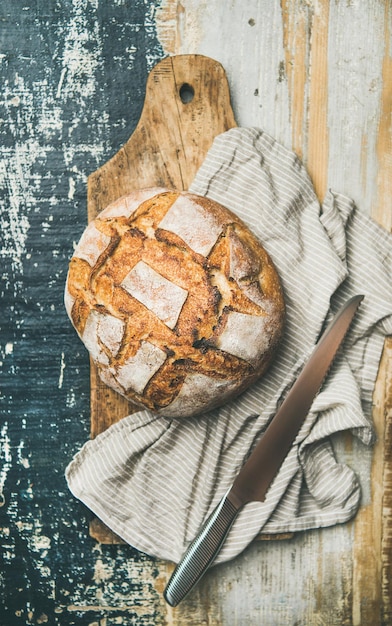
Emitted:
pixel 201 552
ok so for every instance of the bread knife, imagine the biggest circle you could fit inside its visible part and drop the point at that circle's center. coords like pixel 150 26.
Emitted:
pixel 259 471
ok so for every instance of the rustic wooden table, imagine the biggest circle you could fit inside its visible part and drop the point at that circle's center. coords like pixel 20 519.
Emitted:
pixel 317 76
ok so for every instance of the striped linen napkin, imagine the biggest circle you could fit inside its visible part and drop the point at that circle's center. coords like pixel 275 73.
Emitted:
pixel 154 480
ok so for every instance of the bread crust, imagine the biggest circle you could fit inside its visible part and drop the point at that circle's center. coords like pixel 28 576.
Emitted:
pixel 178 303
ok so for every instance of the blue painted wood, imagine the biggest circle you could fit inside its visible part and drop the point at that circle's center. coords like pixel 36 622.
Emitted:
pixel 72 76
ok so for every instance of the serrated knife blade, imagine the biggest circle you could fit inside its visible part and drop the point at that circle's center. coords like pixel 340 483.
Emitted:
pixel 259 471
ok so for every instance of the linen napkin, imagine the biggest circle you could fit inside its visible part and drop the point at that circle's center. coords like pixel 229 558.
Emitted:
pixel 154 480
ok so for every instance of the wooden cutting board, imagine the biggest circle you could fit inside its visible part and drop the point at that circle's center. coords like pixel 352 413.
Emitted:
pixel 187 104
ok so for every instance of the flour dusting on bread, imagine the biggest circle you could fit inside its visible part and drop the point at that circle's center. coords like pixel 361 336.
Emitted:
pixel 177 302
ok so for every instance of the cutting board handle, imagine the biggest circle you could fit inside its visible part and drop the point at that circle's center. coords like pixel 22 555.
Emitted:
pixel 187 104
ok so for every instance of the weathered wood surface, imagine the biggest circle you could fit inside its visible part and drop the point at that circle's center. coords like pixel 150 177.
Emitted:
pixel 317 76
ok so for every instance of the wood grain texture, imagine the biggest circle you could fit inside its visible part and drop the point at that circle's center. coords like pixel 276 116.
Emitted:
pixel 372 546
pixel 166 149
pixel 372 543
pixel 172 137
pixel 337 102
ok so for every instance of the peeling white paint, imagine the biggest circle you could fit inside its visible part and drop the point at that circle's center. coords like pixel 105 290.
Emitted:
pixel 40 543
pixel 14 176
pixel 71 399
pixel 15 101
pixel 24 461
pixel 9 347
pixel 102 571
pixel 69 152
pixel 72 186
pixel 5 458
pixel 60 83
pixel 62 368
pixel 81 56
pixel 41 119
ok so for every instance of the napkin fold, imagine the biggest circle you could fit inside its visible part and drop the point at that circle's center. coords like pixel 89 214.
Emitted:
pixel 154 480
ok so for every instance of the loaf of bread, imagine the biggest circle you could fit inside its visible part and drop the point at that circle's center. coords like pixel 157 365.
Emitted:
pixel 178 304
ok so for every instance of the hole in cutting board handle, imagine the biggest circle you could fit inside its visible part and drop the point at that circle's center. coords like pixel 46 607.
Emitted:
pixel 186 93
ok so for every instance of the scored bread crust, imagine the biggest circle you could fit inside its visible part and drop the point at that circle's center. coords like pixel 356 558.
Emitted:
pixel 178 303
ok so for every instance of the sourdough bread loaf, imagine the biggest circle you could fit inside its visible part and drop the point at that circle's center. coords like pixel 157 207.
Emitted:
pixel 178 304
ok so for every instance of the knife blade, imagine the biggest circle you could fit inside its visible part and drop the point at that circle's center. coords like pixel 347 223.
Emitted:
pixel 257 474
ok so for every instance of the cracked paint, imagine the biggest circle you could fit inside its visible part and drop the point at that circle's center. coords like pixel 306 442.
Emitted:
pixel 72 87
